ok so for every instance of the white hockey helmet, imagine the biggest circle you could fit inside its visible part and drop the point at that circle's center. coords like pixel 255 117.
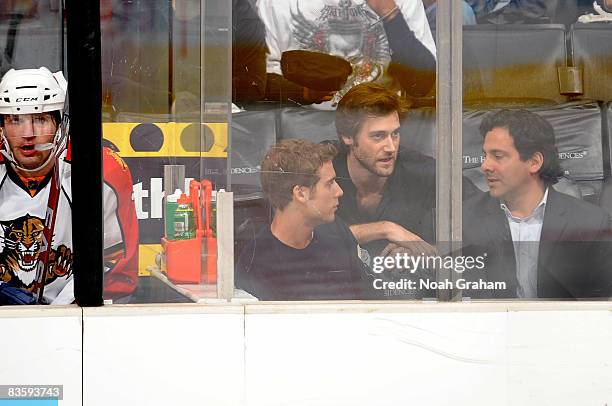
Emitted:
pixel 31 91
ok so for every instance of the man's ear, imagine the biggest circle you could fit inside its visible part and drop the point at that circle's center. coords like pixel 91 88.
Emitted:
pixel 348 141
pixel 301 193
pixel 536 162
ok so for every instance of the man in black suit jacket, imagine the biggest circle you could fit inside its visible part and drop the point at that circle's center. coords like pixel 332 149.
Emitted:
pixel 538 242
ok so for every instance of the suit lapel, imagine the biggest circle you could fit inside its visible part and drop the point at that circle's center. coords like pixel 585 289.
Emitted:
pixel 495 222
pixel 500 240
pixel 555 223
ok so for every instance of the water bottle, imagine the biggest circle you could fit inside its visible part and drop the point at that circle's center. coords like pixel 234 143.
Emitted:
pixel 184 219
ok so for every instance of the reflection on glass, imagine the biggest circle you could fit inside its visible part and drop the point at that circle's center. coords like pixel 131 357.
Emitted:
pixel 165 105
pixel 30 35
pixel 387 40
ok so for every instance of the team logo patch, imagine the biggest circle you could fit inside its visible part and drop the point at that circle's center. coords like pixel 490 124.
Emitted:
pixel 22 243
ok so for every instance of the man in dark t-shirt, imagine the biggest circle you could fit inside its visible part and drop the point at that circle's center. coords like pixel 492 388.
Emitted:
pixel 305 253
pixel 328 268
pixel 389 195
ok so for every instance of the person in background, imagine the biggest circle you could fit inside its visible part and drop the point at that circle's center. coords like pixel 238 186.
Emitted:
pixel 248 54
pixel 381 39
pixel 538 242
pixel 510 11
pixel 431 7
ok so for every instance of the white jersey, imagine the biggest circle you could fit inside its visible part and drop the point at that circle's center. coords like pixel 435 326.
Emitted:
pixel 346 28
pixel 21 234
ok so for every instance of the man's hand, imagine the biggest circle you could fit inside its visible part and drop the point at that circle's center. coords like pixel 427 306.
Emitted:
pixel 413 248
pixel 382 7
pixel 404 241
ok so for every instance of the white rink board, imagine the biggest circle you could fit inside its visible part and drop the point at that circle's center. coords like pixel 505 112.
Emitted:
pixel 409 356
pixel 41 345
pixel 316 354
pixel 154 356
pixel 376 359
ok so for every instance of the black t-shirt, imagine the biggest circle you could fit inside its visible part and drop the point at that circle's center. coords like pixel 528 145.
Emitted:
pixel 409 197
pixel 329 268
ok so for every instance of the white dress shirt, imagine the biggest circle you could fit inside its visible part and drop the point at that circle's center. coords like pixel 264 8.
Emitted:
pixel 526 239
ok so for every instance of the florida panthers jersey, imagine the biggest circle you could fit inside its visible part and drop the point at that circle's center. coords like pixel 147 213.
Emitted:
pixel 120 229
pixel 22 217
pixel 22 224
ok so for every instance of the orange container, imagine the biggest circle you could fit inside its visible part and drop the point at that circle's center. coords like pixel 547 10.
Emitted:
pixel 184 262
pixel 183 259
pixel 210 254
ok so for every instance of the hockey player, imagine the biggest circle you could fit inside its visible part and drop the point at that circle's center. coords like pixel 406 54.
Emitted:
pixel 35 180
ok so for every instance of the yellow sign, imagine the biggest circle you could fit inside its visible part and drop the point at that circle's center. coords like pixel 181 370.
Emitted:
pixel 146 140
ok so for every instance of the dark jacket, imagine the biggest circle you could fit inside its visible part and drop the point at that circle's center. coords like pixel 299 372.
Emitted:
pixel 575 255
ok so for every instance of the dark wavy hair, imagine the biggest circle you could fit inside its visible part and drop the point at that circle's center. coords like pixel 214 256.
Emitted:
pixel 531 133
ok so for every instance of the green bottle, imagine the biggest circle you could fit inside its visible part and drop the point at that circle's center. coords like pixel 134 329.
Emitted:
pixel 171 206
pixel 184 219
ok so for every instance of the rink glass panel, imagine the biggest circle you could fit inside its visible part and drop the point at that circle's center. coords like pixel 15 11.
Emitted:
pixel 165 89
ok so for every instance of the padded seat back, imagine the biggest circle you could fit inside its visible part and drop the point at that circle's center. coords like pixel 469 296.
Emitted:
pixel 606 110
pixel 310 124
pixel 578 130
pixel 419 130
pixel 591 46
pixel 252 135
pixel 513 61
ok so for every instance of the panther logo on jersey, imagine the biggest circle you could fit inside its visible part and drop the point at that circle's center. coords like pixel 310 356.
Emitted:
pixel 23 239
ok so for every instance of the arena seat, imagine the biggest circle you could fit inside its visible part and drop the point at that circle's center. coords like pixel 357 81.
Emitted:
pixel 252 134
pixel 578 131
pixel 606 110
pixel 419 130
pixel 605 197
pixel 513 61
pixel 311 124
pixel 591 50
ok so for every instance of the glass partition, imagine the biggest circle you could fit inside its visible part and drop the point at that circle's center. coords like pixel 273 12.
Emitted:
pixel 31 35
pixel 535 144
pixel 166 92
pixel 333 167
pixel 333 133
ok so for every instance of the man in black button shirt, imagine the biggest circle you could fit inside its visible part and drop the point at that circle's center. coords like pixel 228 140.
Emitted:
pixel 306 253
